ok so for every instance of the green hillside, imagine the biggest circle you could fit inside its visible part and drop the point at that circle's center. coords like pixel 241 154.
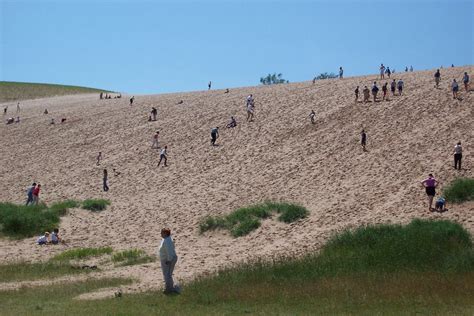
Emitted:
pixel 15 91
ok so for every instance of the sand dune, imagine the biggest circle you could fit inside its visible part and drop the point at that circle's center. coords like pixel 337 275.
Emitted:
pixel 279 156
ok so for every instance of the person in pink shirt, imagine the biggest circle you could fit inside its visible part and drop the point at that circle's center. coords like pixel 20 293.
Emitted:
pixel 430 186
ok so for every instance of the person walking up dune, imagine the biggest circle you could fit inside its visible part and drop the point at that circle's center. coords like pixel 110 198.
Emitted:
pixel 311 116
pixel 356 92
pixel 430 185
pixel 455 88
pixel 214 135
pixel 400 85
pixel 366 93
pixel 105 180
pixel 393 87
pixel 29 194
pixel 437 77
pixel 250 108
pixel 163 155
pixel 363 140
pixel 375 90
pixel 465 80
pixel 341 73
pixel 384 90
pixel 457 156
pixel 155 144
pixel 168 259
pixel 131 100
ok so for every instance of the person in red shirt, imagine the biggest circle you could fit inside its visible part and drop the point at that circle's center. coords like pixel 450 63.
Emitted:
pixel 36 192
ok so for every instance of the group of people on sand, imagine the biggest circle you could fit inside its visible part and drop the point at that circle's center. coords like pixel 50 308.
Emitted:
pixel 32 194
pixel 48 238
pixel 375 90
pixel 454 83
pixel 11 120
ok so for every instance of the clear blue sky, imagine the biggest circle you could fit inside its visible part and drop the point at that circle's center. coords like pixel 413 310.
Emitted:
pixel 165 46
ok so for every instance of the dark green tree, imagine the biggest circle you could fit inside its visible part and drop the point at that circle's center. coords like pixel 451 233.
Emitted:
pixel 273 79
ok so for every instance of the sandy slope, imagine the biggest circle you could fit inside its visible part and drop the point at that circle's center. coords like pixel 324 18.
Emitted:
pixel 280 156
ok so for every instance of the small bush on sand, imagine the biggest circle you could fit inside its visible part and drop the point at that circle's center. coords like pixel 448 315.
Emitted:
pixel 82 253
pixel 20 221
pixel 61 207
pixel 460 190
pixel 95 204
pixel 131 257
pixel 244 220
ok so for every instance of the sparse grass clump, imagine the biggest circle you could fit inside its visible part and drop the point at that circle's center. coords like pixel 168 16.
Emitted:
pixel 131 257
pixel 82 253
pixel 460 190
pixel 244 220
pixel 61 208
pixel 95 204
pixel 21 271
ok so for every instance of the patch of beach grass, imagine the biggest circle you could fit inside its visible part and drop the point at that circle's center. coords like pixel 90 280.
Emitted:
pixel 58 299
pixel 131 257
pixel 460 190
pixel 82 253
pixel 95 204
pixel 23 271
pixel 244 220
pixel 61 208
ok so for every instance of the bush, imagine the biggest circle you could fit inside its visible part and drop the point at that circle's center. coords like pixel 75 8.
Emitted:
pixel 61 207
pixel 244 220
pixel 95 204
pixel 460 190
pixel 82 253
pixel 131 257
pixel 21 221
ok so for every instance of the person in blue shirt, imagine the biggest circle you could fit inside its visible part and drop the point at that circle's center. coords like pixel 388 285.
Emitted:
pixel 440 204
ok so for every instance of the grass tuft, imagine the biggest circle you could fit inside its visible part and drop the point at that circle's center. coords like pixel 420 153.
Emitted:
pixel 244 220
pixel 82 253
pixel 95 204
pixel 131 257
pixel 460 190
pixel 61 208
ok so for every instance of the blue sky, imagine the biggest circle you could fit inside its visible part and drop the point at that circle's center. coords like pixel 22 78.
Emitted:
pixel 167 46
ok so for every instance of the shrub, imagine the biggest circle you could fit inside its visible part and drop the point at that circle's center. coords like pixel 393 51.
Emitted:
pixel 82 253
pixel 21 221
pixel 95 204
pixel 61 207
pixel 244 220
pixel 460 190
pixel 131 257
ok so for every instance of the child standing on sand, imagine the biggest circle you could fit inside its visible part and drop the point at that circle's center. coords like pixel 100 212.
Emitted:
pixel 455 89
pixel 55 239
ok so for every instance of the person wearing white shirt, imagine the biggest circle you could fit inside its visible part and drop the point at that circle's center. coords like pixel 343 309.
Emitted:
pixel 163 155
pixel 43 240
pixel 455 89
pixel 457 155
pixel 168 260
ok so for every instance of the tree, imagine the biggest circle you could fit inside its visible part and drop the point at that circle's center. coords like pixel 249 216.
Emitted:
pixel 325 76
pixel 273 79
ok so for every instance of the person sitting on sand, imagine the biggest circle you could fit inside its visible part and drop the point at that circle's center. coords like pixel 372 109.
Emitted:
pixel 214 135
pixel 168 259
pixel 43 240
pixel 375 90
pixel 311 116
pixel 455 88
pixel 366 93
pixel 232 123
pixel 465 80
pixel 163 155
pixel 116 173
pixel 440 204
pixel 437 77
pixel 155 144
pixel 63 120
pixel 55 239
pixel 430 185
pixel 363 139
pixel 400 86
pixel 356 92
pixel 17 120
pixel 10 120
pixel 154 112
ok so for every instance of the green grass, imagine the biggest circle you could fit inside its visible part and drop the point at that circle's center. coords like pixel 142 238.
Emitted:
pixel 56 299
pixel 244 220
pixel 20 221
pixel 426 267
pixel 131 257
pixel 95 204
pixel 22 271
pixel 82 253
pixel 16 91
pixel 460 190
